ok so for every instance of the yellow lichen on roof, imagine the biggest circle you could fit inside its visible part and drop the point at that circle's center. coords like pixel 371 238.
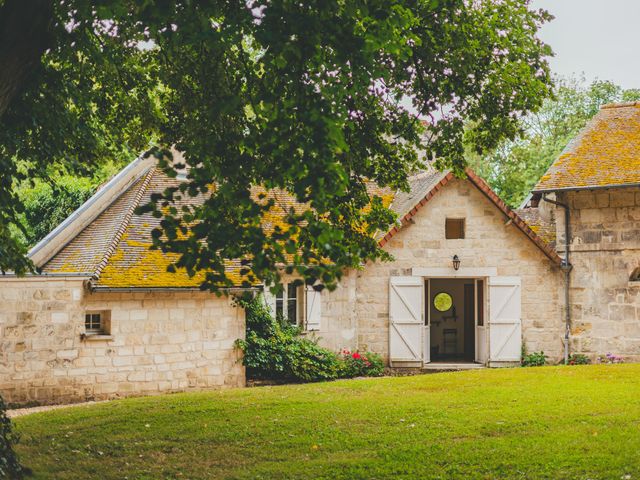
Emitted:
pixel 135 264
pixel 149 269
pixel 116 246
pixel 282 203
pixel 605 153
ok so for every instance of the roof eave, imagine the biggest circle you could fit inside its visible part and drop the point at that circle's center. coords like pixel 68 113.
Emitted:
pixel 99 288
pixel 586 187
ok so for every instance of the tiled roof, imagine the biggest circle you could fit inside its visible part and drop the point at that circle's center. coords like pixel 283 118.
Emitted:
pixel 114 248
pixel 606 153
pixel 132 263
pixel 545 230
pixel 419 185
pixel 87 250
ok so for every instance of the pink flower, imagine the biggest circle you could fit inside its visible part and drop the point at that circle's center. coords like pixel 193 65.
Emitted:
pixel 356 356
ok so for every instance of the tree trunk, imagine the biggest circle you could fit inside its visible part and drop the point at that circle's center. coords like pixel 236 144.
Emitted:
pixel 25 34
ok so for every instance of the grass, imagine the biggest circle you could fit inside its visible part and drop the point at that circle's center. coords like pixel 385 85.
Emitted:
pixel 549 422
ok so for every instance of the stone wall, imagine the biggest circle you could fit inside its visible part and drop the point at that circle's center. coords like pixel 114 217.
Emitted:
pixel 158 342
pixel 604 251
pixel 490 242
pixel 338 328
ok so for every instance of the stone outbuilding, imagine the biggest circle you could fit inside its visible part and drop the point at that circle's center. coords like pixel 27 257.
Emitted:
pixel 591 194
pixel 472 283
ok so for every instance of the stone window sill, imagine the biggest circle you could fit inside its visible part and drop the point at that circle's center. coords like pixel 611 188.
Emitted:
pixel 93 337
pixel 635 283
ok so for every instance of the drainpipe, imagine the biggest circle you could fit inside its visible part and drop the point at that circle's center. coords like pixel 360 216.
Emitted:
pixel 566 268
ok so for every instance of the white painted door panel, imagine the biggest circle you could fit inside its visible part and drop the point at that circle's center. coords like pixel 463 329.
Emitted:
pixel 406 323
pixel 505 323
pixel 481 345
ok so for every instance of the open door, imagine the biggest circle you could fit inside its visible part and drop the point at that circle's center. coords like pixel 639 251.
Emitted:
pixel 482 344
pixel 505 329
pixel 406 310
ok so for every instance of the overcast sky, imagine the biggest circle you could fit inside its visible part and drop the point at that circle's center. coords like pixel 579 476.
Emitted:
pixel 598 37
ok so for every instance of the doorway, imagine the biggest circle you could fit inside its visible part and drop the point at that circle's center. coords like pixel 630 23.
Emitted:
pixel 454 314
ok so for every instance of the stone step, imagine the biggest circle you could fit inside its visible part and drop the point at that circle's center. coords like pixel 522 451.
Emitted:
pixel 450 366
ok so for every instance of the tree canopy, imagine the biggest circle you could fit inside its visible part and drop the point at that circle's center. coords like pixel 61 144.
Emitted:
pixel 515 166
pixel 309 97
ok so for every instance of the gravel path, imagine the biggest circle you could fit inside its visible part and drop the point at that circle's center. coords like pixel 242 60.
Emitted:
pixel 19 412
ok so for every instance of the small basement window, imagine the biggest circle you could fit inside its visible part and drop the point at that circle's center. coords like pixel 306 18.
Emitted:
pixel 454 228
pixel 97 323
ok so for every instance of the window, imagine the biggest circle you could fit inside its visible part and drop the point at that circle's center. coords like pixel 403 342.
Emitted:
pixel 96 323
pixel 635 275
pixel 289 304
pixel 454 228
pixel 443 302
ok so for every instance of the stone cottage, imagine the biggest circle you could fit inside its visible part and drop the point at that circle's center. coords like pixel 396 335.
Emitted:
pixel 472 282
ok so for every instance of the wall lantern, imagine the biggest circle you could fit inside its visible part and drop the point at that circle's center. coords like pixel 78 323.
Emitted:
pixel 456 263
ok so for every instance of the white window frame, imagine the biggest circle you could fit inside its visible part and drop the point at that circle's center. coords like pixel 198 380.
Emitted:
pixel 285 299
pixel 104 319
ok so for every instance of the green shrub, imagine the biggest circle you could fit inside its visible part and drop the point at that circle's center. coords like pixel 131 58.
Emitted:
pixel 47 205
pixel 275 350
pixel 535 359
pixel 578 359
pixel 9 466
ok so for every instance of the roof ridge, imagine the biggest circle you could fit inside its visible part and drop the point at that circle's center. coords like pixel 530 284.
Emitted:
pixel 422 174
pixel 620 105
pixel 123 225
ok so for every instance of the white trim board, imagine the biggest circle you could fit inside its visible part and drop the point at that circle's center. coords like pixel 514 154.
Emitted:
pixel 451 273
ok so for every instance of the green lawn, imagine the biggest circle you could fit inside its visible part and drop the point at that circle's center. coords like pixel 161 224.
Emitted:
pixel 549 422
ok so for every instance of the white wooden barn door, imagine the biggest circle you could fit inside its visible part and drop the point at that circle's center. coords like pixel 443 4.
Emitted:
pixel 406 310
pixel 505 325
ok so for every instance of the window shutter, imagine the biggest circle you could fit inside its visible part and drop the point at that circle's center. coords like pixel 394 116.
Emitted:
pixel 269 300
pixel 313 309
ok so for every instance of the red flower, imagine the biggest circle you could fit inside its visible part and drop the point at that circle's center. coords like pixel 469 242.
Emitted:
pixel 356 356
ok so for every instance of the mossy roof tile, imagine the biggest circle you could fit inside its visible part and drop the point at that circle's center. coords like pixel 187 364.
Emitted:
pixel 115 247
pixel 84 253
pixel 605 153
